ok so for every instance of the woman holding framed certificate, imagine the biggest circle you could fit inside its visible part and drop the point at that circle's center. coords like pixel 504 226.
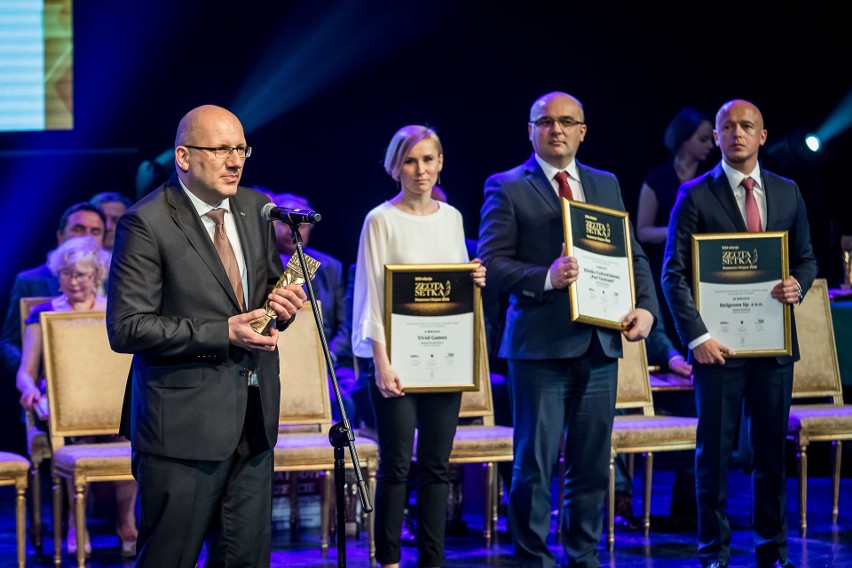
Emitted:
pixel 410 228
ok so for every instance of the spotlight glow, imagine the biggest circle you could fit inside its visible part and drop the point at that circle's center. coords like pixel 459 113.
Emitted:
pixel 813 142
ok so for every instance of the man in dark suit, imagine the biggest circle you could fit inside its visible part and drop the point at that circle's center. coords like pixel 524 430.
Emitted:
pixel 204 391
pixel 724 201
pixel 562 375
pixel 79 220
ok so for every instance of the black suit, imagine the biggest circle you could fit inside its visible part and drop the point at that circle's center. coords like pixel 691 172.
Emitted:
pixel 707 205
pixel 193 418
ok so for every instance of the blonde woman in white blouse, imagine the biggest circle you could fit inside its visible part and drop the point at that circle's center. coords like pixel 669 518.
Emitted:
pixel 410 228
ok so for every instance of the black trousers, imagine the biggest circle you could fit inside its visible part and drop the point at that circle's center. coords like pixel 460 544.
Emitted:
pixel 764 389
pixel 434 416
pixel 226 503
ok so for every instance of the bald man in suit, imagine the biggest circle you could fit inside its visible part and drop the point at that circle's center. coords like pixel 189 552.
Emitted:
pixel 719 202
pixel 202 406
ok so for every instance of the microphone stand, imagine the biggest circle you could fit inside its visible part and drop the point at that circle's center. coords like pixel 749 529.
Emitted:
pixel 340 435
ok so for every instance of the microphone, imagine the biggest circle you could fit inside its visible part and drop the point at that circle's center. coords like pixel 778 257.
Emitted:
pixel 293 216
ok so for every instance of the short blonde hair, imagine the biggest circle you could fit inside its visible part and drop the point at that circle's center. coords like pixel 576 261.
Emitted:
pixel 83 253
pixel 401 144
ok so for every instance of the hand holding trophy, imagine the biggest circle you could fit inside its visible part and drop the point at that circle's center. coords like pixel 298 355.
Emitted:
pixel 292 275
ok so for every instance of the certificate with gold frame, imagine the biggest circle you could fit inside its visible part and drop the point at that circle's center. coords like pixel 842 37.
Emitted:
pixel 599 238
pixel 431 331
pixel 733 276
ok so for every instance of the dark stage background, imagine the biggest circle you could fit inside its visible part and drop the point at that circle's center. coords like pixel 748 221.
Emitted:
pixel 322 86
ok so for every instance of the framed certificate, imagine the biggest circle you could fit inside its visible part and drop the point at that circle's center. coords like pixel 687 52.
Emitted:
pixel 733 276
pixel 432 338
pixel 599 238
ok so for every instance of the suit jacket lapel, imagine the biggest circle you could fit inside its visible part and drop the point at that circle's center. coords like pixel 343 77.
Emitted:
pixel 540 183
pixel 722 190
pixel 247 229
pixel 590 190
pixel 187 220
pixel 770 196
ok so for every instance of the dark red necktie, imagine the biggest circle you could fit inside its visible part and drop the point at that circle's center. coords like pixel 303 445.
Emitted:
pixel 752 213
pixel 564 188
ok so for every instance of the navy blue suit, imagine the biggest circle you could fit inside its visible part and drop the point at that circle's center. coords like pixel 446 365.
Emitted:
pixel 707 205
pixel 562 375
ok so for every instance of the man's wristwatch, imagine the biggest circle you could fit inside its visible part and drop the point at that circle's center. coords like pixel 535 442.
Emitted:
pixel 801 294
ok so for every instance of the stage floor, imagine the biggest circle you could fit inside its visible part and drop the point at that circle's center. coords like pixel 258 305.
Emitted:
pixel 827 545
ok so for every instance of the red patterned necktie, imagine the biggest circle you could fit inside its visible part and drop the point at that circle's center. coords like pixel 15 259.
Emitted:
pixel 564 188
pixel 226 253
pixel 752 213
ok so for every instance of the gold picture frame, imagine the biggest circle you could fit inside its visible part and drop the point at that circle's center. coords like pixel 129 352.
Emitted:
pixel 431 330
pixel 599 238
pixel 732 277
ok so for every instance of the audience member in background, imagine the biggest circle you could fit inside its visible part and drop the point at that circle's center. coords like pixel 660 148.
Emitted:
pixel 689 139
pixel 81 266
pixel 410 228
pixel 330 289
pixel 81 219
pixel 151 174
pixel 113 205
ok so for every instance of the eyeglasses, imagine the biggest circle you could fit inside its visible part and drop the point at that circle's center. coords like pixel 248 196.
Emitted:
pixel 225 152
pixel 564 122
pixel 71 275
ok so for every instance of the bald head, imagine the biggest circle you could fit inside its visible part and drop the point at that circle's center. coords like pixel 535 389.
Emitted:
pixel 199 121
pixel 739 134
pixel 742 106
pixel 542 102
pixel 203 130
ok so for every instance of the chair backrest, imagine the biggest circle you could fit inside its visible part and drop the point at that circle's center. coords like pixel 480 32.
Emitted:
pixel 27 305
pixel 305 398
pixel 634 381
pixel 817 373
pixel 478 403
pixel 85 377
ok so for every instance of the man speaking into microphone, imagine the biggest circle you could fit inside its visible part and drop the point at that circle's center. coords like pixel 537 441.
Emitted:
pixel 193 263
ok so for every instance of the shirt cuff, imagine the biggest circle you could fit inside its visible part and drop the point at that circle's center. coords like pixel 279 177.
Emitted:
pixel 699 340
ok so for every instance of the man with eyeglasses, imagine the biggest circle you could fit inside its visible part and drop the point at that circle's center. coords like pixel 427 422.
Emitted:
pixel 79 220
pixel 191 261
pixel 562 375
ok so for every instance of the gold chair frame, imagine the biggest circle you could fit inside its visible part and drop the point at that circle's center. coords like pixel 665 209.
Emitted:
pixel 817 376
pixel 38 442
pixel 305 419
pixel 644 432
pixel 14 470
pixel 85 386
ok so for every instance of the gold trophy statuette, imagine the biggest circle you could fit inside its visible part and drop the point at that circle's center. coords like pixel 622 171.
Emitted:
pixel 292 275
